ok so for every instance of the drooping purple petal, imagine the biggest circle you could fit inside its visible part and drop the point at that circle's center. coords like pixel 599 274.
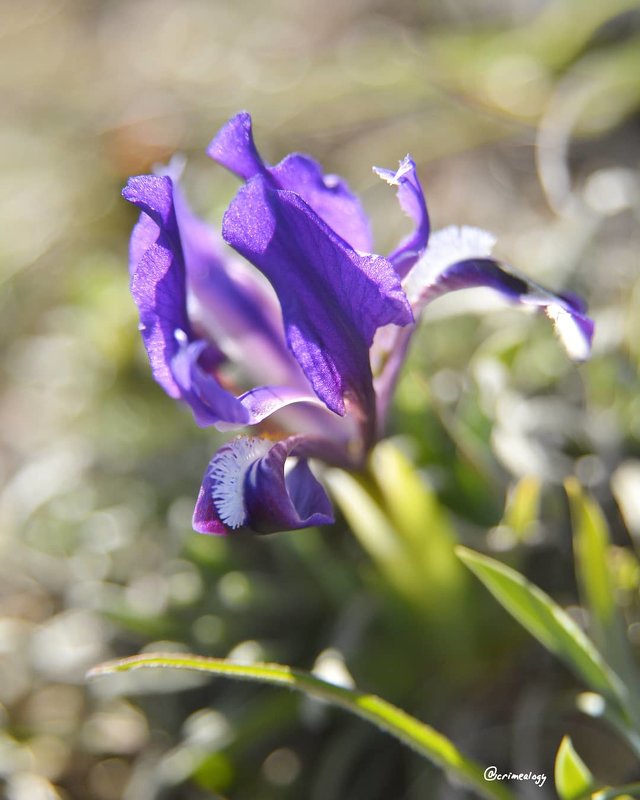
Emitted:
pixel 458 258
pixel 277 501
pixel 328 195
pixel 205 516
pixel 263 401
pixel 209 402
pixel 246 486
pixel 332 298
pixel 574 328
pixel 412 202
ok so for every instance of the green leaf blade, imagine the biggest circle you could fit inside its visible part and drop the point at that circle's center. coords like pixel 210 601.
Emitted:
pixel 546 621
pixel 573 778
pixel 424 739
pixel 591 545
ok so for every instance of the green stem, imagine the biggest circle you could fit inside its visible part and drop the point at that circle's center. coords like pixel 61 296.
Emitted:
pixel 420 737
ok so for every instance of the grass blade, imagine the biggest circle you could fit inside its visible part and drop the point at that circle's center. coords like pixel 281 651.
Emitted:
pixel 546 621
pixel 426 741
pixel 592 546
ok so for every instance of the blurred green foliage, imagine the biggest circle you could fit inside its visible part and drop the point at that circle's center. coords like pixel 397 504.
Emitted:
pixel 523 118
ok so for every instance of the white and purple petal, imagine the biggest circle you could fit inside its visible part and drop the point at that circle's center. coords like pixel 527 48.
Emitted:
pixel 459 258
pixel 247 486
pixel 333 299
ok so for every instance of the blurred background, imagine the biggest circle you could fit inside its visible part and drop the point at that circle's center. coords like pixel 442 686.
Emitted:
pixel 523 118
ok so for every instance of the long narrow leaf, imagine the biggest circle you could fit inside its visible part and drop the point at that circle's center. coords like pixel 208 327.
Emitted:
pixel 422 738
pixel 546 621
pixel 592 545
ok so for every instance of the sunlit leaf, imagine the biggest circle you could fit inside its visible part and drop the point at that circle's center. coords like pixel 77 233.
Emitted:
pixel 592 548
pixel 546 621
pixel 591 545
pixel 373 529
pixel 522 506
pixel 420 737
pixel 421 524
pixel 572 776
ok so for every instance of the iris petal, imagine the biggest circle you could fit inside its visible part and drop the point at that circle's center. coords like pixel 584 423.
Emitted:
pixel 458 258
pixel 209 402
pixel 166 235
pixel 333 299
pixel 277 501
pixel 234 148
pixel 234 304
pixel 158 275
pixel 328 195
pixel 246 486
pixel 412 202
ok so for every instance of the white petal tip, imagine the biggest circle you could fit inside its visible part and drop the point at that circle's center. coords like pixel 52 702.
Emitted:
pixel 576 343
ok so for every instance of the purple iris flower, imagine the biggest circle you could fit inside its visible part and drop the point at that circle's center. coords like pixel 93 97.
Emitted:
pixel 309 319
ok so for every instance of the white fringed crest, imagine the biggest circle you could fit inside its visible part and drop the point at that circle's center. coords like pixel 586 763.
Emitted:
pixel 227 472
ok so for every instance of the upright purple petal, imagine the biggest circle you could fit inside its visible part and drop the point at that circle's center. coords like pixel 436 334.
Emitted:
pixel 158 275
pixel 234 305
pixel 234 148
pixel 158 285
pixel 183 364
pixel 332 298
pixel 144 234
pixel 246 486
pixel 328 195
pixel 412 202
